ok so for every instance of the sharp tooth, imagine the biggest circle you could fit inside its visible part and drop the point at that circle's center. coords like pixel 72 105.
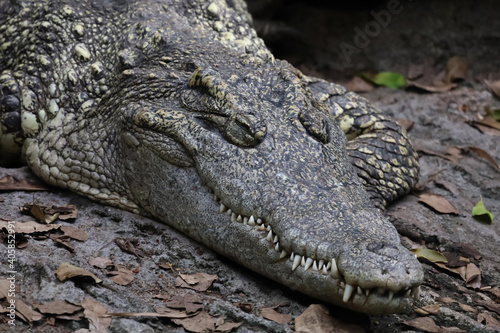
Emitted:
pixel 283 254
pixel 270 236
pixel 275 240
pixel 292 256
pixel 347 292
pixel 245 220
pixel 367 292
pixel 229 212
pixel 303 261
pixel 216 198
pixel 320 264
pixel 233 217
pixel 222 208
pixel 415 292
pixel 309 263
pixel 359 290
pixel 407 294
pixel 262 228
pixel 391 295
pixel 315 266
pixel 342 284
pixel 239 219
pixel 268 228
pixel 251 220
pixel 328 266
pixel 296 262
pixel 277 247
pixel 259 221
pixel 335 270
pixel 325 271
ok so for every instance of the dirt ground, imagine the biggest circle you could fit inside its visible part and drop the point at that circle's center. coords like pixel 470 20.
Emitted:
pixel 424 35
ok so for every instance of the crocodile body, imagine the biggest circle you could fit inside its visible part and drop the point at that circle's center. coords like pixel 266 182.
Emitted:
pixel 176 110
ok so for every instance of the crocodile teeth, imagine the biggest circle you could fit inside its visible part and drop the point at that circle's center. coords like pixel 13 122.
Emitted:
pixel 367 292
pixel 233 217
pixel 296 262
pixel 308 264
pixel 315 266
pixel 270 236
pixel 292 256
pixel 251 220
pixel 283 254
pixel 325 271
pixel 259 221
pixel 320 264
pixel 277 247
pixel 415 292
pixel 391 295
pixel 407 294
pixel 335 270
pixel 276 239
pixel 222 208
pixel 329 265
pixel 239 219
pixel 342 284
pixel 359 290
pixel 303 261
pixel 229 212
pixel 262 228
pixel 268 228
pixel 245 220
pixel 347 292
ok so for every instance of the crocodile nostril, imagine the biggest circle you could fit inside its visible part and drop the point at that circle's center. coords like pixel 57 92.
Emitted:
pixel 316 124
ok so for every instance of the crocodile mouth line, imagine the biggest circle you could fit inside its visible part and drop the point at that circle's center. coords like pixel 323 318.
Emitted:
pixel 321 266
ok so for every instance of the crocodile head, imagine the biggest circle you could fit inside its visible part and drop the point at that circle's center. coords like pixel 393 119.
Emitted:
pixel 253 167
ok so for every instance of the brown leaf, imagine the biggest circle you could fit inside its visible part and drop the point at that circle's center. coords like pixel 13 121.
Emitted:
pixel 490 306
pixel 427 324
pixel 26 312
pixel 484 129
pixel 488 121
pixel 456 69
pixel 4 288
pixel 405 123
pixel 432 88
pixel 172 313
pixel 75 233
pixel 472 276
pixel 316 319
pixel 358 85
pixel 94 312
pixel 431 308
pixel 454 260
pixel 10 183
pixel 271 314
pixel 191 303
pixel 227 327
pixel 197 281
pixel 415 71
pixel 29 227
pixel 68 271
pixel 485 155
pixel 201 323
pixel 100 262
pixel 467 250
pixel 58 307
pixel 494 86
pixel 120 275
pixel 438 203
pixel 466 307
pixel 488 319
pixel 128 245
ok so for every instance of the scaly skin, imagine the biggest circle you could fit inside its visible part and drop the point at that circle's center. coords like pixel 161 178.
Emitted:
pixel 177 110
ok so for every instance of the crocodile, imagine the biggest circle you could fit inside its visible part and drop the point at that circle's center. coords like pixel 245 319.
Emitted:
pixel 175 109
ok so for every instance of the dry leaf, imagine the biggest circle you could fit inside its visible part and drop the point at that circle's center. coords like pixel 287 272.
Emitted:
pixel 128 245
pixel 9 183
pixel 490 306
pixel 121 275
pixel 29 227
pixel 227 327
pixel 405 123
pixel 488 319
pixel 472 276
pixel 456 69
pixel 431 308
pixel 68 271
pixel 454 260
pixel 494 86
pixel 485 155
pixel 58 307
pixel 200 323
pixel 172 313
pixel 432 88
pixel 100 262
pixel 26 312
pixel 191 303
pixel 427 324
pixel 358 85
pixel 467 250
pixel 4 288
pixel 316 319
pixel 197 281
pixel 415 72
pixel 271 314
pixel 438 203
pixel 94 312
pixel 466 307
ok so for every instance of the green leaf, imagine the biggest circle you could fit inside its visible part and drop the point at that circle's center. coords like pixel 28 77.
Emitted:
pixel 481 214
pixel 431 255
pixel 388 79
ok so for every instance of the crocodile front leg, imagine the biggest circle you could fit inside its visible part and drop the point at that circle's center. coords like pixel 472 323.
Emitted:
pixel 378 147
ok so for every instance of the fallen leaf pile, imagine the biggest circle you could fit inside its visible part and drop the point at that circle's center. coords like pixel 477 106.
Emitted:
pixel 198 281
pixel 48 214
pixel 456 70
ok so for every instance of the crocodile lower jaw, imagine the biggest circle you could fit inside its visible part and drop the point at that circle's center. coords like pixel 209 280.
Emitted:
pixel 324 268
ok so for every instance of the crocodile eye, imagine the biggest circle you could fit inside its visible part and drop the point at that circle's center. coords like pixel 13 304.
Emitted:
pixel 316 124
pixel 244 130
